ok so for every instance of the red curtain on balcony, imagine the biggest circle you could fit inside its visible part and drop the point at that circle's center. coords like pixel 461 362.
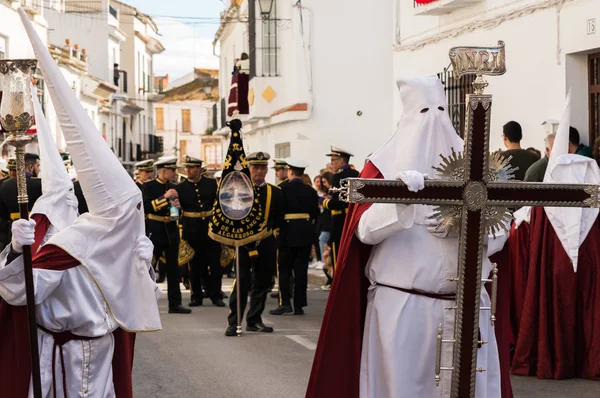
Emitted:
pixel 238 95
pixel 424 1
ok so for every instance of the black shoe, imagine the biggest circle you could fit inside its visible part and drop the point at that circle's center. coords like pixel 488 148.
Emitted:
pixel 275 295
pixel 180 309
pixel 218 303
pixel 195 303
pixel 299 311
pixel 282 309
pixel 259 327
pixel 231 331
pixel 186 285
pixel 224 296
pixel 160 279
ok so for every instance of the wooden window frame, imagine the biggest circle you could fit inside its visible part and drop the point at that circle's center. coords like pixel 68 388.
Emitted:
pixel 186 127
pixel 594 92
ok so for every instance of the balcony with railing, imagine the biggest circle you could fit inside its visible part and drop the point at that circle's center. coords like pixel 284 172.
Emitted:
pixel 36 6
pixel 440 7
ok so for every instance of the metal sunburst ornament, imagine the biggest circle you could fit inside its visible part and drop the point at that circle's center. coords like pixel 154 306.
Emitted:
pixel 452 169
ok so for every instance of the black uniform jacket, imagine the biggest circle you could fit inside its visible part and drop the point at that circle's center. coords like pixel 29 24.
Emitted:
pixel 271 202
pixel 197 200
pixel 9 206
pixel 160 229
pixel 301 209
pixel 82 207
pixel 338 208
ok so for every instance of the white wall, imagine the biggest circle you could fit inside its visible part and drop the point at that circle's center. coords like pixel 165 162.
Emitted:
pixel 11 28
pixel 347 50
pixel 90 31
pixel 545 55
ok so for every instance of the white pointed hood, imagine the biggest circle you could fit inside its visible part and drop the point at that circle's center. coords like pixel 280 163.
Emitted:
pixel 424 133
pixel 57 188
pixel 571 224
pixel 421 135
pixel 105 239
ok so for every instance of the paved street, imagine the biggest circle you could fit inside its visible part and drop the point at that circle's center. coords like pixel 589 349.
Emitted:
pixel 192 358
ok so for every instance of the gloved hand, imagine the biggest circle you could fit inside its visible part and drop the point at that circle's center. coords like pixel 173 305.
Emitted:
pixel 23 234
pixel 432 228
pixel 144 249
pixel 72 200
pixel 414 180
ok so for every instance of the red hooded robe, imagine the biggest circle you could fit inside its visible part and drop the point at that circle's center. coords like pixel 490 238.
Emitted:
pixel 559 326
pixel 15 359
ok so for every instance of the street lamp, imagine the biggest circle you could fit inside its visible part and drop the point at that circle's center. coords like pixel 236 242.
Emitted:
pixel 266 6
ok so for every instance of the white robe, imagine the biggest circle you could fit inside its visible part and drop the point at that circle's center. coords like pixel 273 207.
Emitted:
pixel 399 343
pixel 66 300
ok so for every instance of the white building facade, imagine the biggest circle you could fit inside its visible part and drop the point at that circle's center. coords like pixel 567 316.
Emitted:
pixel 318 76
pixel 551 46
pixel 138 139
pixel 185 120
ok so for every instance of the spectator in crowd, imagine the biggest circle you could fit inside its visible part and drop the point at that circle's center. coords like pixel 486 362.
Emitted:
pixel 317 184
pixel 306 180
pixel 536 151
pixel 520 158
pixel 576 147
pixel 536 172
pixel 325 223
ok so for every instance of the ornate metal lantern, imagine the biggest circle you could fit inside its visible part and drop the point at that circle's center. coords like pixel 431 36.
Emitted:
pixel 266 6
pixel 16 117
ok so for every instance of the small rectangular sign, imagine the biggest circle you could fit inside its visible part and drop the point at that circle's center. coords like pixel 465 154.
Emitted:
pixel 591 26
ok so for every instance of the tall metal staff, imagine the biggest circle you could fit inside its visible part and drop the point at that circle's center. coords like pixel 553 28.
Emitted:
pixel 16 117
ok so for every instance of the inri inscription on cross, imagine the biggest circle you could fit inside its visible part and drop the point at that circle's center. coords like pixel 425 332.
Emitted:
pixel 474 195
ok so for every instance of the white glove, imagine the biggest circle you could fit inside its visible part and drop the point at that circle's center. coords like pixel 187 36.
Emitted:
pixel 144 249
pixel 23 234
pixel 72 200
pixel 414 180
pixel 432 228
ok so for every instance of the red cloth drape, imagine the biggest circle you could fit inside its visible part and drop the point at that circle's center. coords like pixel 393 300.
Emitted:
pixel 559 330
pixel 238 95
pixel 336 367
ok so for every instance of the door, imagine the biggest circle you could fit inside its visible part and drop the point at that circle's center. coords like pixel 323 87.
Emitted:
pixel 594 90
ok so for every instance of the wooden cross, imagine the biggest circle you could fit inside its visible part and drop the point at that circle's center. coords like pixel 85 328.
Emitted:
pixel 476 193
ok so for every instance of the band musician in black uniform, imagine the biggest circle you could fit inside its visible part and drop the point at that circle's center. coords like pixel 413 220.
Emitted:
pixel 197 195
pixel 145 172
pixel 281 172
pixel 340 160
pixel 159 195
pixel 258 260
pixel 9 206
pixel 297 234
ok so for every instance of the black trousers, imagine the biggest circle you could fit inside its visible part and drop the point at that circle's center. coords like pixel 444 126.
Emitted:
pixel 171 252
pixel 255 275
pixel 205 270
pixel 293 261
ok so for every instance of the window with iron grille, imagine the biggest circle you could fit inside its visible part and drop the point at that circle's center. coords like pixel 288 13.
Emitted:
pixel 267 50
pixel 456 93
pixel 269 47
